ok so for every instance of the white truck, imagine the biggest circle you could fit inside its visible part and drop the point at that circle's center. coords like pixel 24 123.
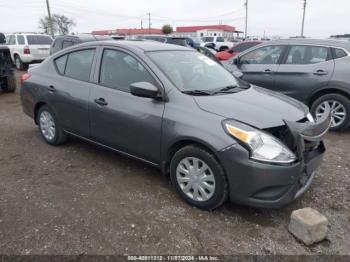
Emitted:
pixel 216 42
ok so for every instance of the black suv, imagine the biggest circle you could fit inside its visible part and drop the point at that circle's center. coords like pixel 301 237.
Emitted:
pixel 7 71
pixel 64 41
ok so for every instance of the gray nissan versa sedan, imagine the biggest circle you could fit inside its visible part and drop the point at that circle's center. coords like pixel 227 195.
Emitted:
pixel 176 109
pixel 316 72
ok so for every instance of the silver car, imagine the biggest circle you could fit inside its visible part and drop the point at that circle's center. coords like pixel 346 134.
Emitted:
pixel 315 72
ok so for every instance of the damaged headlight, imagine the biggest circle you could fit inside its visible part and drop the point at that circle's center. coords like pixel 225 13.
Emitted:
pixel 262 146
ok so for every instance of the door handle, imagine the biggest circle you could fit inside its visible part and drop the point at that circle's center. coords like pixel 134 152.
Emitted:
pixel 101 101
pixel 268 71
pixel 51 89
pixel 320 72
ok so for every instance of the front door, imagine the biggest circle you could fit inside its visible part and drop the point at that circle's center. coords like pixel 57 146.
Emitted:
pixel 120 120
pixel 259 66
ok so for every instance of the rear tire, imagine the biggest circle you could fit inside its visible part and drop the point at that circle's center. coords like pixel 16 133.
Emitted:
pixel 19 64
pixel 49 127
pixel 207 186
pixel 341 103
pixel 11 84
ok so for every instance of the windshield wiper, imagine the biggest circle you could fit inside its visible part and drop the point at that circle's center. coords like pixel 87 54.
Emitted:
pixel 197 93
pixel 228 89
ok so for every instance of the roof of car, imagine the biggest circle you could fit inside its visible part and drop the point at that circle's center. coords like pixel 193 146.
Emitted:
pixel 141 45
pixel 84 37
pixel 307 41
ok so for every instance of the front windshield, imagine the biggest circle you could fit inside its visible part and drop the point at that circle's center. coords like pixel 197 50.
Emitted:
pixel 190 71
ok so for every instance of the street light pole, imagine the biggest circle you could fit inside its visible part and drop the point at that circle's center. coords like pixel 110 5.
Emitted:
pixel 302 24
pixel 246 19
pixel 49 18
pixel 149 23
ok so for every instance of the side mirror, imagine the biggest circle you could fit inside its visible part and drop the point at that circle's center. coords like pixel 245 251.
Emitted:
pixel 144 89
pixel 238 74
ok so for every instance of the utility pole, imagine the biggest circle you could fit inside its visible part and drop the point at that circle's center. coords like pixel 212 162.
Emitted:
pixel 302 25
pixel 50 18
pixel 149 22
pixel 246 20
pixel 141 24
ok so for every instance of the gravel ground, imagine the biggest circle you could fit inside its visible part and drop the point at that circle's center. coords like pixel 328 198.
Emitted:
pixel 81 199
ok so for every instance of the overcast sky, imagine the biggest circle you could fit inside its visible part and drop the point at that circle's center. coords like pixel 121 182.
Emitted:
pixel 275 17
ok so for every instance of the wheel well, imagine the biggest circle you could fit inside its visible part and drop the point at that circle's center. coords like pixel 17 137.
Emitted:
pixel 177 146
pixel 36 110
pixel 326 92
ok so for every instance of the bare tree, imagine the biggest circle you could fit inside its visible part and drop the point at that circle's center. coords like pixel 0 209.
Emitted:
pixel 60 24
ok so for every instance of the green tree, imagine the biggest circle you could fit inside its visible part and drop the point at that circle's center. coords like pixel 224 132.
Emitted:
pixel 167 29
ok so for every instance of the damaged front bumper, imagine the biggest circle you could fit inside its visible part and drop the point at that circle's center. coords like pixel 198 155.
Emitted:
pixel 267 185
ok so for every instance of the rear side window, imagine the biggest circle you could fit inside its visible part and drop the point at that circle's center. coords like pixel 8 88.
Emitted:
pixel 39 40
pixel 20 39
pixel 177 41
pixel 61 63
pixel 303 55
pixel 66 44
pixel 339 53
pixel 220 39
pixel 119 70
pixel 79 64
pixel 208 39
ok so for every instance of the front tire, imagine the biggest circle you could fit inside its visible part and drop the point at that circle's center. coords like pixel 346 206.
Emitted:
pixel 340 110
pixel 49 127
pixel 11 83
pixel 198 177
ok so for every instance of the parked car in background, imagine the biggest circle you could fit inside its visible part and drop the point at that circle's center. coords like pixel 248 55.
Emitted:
pixel 176 109
pixel 28 48
pixel 64 41
pixel 219 43
pixel 315 72
pixel 181 41
pixel 236 49
pixel 7 70
pixel 158 38
pixel 194 42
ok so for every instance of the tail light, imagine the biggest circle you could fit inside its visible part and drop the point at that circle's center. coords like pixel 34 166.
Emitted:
pixel 26 50
pixel 25 77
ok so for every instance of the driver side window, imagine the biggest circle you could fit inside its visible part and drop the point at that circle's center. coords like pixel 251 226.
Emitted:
pixel 266 55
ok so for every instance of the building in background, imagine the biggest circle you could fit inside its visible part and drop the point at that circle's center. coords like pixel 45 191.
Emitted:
pixel 225 31
pixel 129 32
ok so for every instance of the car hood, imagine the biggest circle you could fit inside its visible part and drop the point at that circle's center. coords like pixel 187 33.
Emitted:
pixel 255 106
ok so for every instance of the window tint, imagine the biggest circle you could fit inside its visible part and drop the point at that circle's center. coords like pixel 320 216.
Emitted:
pixel 20 39
pixel 61 63
pixel 11 40
pixel 79 64
pixel 39 40
pixel 307 55
pixel 119 70
pixel 339 53
pixel 177 41
pixel 208 39
pixel 220 39
pixel 263 55
pixel 244 46
pixel 66 44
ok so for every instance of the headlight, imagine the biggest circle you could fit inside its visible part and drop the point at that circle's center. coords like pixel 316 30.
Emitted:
pixel 262 146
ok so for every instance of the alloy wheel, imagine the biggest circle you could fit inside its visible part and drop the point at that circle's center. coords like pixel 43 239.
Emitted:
pixel 338 112
pixel 47 125
pixel 195 179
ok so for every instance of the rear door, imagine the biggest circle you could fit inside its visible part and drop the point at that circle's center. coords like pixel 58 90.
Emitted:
pixel 39 46
pixel 260 65
pixel 69 90
pixel 304 69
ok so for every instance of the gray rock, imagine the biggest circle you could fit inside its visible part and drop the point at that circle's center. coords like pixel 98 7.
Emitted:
pixel 308 225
